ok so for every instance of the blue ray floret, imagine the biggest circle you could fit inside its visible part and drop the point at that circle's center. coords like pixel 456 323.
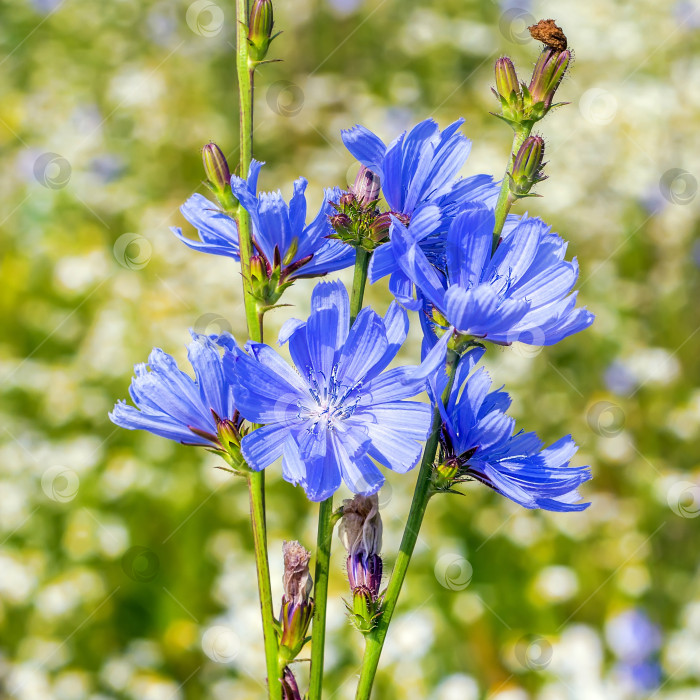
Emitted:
pixel 282 227
pixel 478 439
pixel 522 293
pixel 169 403
pixel 339 410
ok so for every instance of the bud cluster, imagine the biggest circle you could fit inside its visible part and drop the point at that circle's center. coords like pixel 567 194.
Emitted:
pixel 360 531
pixel 358 222
pixel 523 105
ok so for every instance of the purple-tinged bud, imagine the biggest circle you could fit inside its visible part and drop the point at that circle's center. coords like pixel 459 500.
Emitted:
pixel 340 221
pixel 227 440
pixel 297 604
pixel 347 199
pixel 218 176
pixel 258 268
pixel 366 187
pixel 290 689
pixel 506 78
pixel 527 167
pixel 260 29
pixel 379 229
pixel 549 71
pixel 342 225
pixel 216 167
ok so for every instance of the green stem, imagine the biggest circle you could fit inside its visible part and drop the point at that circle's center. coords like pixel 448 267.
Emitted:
pixel 359 281
pixel 256 491
pixel 245 100
pixel 504 202
pixel 326 521
pixel 318 631
pixel 421 496
pixel 256 481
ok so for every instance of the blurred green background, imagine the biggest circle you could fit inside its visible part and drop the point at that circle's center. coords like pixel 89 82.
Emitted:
pixel 126 568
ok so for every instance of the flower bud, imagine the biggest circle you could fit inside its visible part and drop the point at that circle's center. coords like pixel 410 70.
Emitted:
pixel 547 74
pixel 216 167
pixel 258 268
pixel 347 199
pixel 366 187
pixel 342 223
pixel 527 167
pixel 218 175
pixel 297 605
pixel 506 78
pixel 290 689
pixel 444 474
pixel 260 29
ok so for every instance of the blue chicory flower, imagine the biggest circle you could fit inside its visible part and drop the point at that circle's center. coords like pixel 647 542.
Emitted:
pixel 522 293
pixel 217 231
pixel 169 403
pixel 478 436
pixel 340 410
pixel 418 169
pixel 276 225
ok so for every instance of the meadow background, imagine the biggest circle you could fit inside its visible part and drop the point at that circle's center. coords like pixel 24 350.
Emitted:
pixel 126 568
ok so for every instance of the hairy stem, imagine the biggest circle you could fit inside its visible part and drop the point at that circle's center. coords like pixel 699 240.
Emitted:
pixel 504 202
pixel 326 521
pixel 256 480
pixel 421 496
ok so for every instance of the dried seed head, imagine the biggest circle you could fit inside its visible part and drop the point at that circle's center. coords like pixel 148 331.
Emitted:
pixel 547 31
pixel 296 579
pixel 361 525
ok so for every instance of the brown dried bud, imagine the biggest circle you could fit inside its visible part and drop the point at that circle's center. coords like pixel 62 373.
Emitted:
pixel 549 34
pixel 360 528
pixel 296 581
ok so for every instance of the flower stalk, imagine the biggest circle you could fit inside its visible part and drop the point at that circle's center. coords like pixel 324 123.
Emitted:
pixel 375 639
pixel 254 320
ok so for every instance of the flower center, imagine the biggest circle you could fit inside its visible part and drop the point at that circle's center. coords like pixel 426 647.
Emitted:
pixel 329 401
